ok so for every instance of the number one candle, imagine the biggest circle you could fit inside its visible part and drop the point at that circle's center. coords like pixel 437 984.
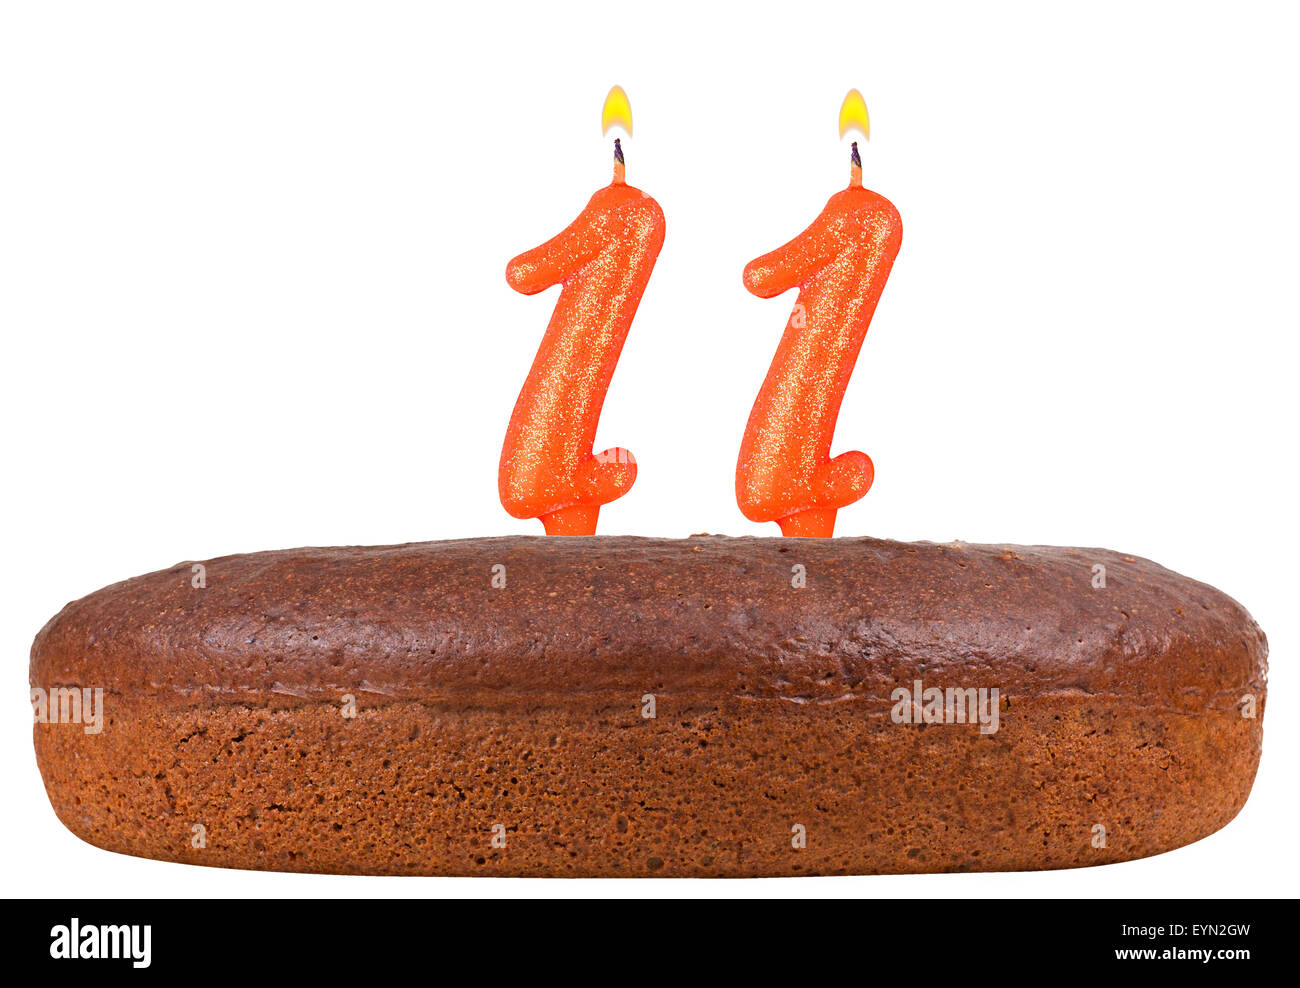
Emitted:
pixel 839 264
pixel 602 260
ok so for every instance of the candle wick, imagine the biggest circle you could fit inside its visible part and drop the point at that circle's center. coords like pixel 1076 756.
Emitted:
pixel 855 167
pixel 618 162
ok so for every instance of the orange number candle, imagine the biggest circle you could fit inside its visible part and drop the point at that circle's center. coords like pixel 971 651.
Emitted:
pixel 839 264
pixel 602 260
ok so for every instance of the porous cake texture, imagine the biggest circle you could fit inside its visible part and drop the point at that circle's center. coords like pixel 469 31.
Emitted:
pixel 617 706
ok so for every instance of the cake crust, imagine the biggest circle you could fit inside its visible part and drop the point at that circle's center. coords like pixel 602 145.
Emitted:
pixel 629 706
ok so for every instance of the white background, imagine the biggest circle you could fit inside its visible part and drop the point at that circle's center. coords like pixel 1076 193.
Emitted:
pixel 252 296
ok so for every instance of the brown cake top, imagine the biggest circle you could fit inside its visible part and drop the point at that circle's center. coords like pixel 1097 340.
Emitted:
pixel 520 618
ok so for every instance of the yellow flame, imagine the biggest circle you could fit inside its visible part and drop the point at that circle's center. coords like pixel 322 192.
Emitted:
pixel 853 115
pixel 617 112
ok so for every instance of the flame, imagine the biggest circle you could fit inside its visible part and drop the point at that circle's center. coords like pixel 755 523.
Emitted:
pixel 617 112
pixel 853 115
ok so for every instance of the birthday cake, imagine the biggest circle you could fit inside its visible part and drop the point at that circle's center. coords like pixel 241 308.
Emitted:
pixel 613 706
pixel 617 706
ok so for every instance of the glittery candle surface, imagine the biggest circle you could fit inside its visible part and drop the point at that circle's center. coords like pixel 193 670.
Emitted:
pixel 602 261
pixel 785 472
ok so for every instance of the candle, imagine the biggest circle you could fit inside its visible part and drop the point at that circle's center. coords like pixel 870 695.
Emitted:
pixel 602 262
pixel 785 472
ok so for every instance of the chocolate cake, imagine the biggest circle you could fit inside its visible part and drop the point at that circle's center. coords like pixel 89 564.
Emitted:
pixel 614 706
